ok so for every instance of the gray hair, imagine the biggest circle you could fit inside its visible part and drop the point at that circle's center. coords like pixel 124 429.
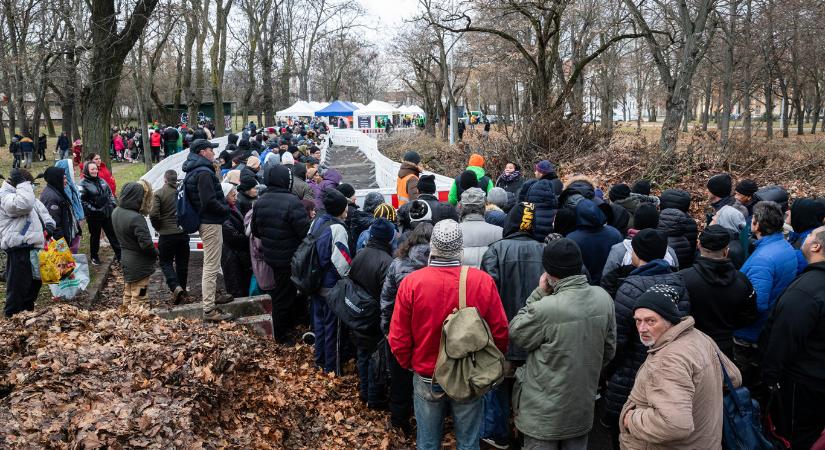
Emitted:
pixel 768 215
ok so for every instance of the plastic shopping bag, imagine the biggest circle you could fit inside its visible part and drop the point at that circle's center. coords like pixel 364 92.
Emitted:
pixel 56 262
pixel 75 282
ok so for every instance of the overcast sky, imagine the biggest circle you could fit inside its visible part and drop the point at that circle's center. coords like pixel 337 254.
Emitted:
pixel 387 15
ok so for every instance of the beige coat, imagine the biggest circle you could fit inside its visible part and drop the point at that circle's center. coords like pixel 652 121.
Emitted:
pixel 676 401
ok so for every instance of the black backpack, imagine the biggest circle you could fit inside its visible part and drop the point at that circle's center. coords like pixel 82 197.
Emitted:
pixel 354 306
pixel 306 268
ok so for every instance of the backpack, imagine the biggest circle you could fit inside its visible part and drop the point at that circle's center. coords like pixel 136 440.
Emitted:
pixel 306 270
pixel 189 219
pixel 742 428
pixel 354 306
pixel 469 364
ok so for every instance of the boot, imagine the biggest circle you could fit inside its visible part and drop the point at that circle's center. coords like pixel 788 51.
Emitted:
pixel 216 315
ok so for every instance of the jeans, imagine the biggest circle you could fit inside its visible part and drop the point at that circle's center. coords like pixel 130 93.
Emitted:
pixel 212 237
pixel 283 305
pixel 576 443
pixel 95 225
pixel 27 160
pixel 327 341
pixel 801 413
pixel 430 403
pixel 497 412
pixel 21 288
pixel 173 257
pixel 63 153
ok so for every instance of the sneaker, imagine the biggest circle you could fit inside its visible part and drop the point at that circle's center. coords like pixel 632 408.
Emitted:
pixel 223 298
pixel 308 338
pixel 216 315
pixel 493 442
pixel 95 261
pixel 177 295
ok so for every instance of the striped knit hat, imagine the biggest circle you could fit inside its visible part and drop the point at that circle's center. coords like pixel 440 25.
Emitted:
pixel 384 211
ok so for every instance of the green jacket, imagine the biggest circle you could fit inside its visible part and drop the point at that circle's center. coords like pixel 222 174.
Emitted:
pixel 479 171
pixel 164 213
pixel 138 253
pixel 569 337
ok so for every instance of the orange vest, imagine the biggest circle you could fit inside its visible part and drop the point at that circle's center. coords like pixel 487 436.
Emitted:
pixel 401 189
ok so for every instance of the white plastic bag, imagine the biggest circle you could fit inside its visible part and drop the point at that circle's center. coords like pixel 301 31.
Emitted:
pixel 70 286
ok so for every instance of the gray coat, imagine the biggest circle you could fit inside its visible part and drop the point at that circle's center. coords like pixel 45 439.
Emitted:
pixel 477 235
pixel 138 250
pixel 620 256
pixel 22 217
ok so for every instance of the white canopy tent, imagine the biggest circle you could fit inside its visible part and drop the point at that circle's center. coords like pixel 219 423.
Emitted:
pixel 317 106
pixel 413 109
pixel 374 108
pixel 299 109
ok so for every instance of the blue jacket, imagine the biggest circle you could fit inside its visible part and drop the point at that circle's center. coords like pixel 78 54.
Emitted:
pixel 594 238
pixel 333 253
pixel 770 269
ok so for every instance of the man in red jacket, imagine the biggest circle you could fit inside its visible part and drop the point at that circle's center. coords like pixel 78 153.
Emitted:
pixel 425 298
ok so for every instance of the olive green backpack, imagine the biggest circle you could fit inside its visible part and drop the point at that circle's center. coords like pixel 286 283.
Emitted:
pixel 469 363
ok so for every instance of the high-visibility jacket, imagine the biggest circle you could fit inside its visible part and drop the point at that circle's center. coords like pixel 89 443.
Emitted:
pixel 401 189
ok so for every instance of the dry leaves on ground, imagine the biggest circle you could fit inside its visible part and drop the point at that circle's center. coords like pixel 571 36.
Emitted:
pixel 71 378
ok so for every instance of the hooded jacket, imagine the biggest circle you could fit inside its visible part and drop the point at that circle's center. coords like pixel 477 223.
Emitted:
pixel 332 178
pixel 204 190
pixel 236 261
pixel 671 222
pixel 806 215
pixel 299 184
pixel 676 402
pixel 629 205
pixel 164 212
pixel 279 219
pixel 138 252
pixel 96 197
pixel 542 195
pixel 577 189
pixel 722 299
pixel 570 335
pixel 22 217
pixel 594 237
pixel 409 171
pixel 369 269
pixel 478 235
pixel 630 352
pixel 484 183
pixel 794 338
pixel 514 263
pixel 771 268
pixel 56 201
pixel 400 268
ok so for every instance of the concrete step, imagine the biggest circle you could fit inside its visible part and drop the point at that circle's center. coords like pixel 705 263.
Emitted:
pixel 261 324
pixel 240 307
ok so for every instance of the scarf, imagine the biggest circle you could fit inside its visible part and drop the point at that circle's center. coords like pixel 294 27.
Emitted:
pixel 71 189
pixel 510 178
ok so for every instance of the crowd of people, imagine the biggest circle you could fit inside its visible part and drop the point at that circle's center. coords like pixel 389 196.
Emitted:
pixel 591 294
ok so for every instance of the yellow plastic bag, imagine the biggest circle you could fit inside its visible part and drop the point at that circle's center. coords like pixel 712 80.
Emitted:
pixel 56 262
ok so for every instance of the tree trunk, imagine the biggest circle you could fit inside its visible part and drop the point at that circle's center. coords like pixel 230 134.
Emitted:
pixel 706 106
pixel 3 142
pixel 786 106
pixel 768 90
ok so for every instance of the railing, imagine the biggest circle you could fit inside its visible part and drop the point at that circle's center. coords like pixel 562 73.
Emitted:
pixel 381 133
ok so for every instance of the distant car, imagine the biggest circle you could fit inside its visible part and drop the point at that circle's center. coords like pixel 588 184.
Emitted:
pixel 492 118
pixel 736 116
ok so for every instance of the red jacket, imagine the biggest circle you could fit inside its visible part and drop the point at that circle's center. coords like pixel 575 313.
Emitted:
pixel 425 298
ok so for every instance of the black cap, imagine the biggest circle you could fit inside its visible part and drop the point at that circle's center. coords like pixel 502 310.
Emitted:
pixel 562 258
pixel 412 157
pixel 426 184
pixel 641 187
pixel 720 185
pixel 619 192
pixel 646 216
pixel 467 180
pixel 346 189
pixel 747 187
pixel 334 202
pixel 649 244
pixel 199 144
pixel 715 238
pixel 661 299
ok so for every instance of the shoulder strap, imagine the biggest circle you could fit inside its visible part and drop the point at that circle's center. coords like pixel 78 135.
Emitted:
pixel 462 287
pixel 729 384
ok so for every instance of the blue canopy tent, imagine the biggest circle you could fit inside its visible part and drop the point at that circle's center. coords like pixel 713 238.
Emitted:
pixel 337 108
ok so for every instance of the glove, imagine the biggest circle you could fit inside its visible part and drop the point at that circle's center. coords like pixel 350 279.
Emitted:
pixel 18 176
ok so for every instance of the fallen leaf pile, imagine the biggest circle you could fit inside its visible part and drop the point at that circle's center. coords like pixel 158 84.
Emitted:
pixel 72 378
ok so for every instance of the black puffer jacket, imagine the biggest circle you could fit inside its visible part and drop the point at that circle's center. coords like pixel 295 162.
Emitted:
pixel 60 208
pixel 96 197
pixel 398 270
pixel 542 194
pixel 672 223
pixel 203 189
pixel 279 219
pixel 630 352
pixel 514 263
pixel 369 269
pixel 236 261
pixel 357 221
pixel 576 191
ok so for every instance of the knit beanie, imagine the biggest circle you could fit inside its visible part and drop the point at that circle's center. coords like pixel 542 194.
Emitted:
pixel 619 192
pixel 661 299
pixel 649 244
pixel 646 216
pixel 467 180
pixel 562 258
pixel 641 187
pixel 287 159
pixel 420 212
pixel 565 221
pixel 372 200
pixel 714 238
pixel 384 211
pixel 720 185
pixel 545 167
pixel 227 188
pixel 473 196
pixel 498 197
pixel 382 230
pixel 412 157
pixel 426 184
pixel 476 160
pixel 747 187
pixel 253 163
pixel 346 189
pixel 247 183
pixel 446 240
pixel 334 202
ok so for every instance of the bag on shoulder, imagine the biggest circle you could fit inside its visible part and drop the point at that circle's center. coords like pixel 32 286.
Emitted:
pixel 306 271
pixel 469 363
pixel 189 220
pixel 742 428
pixel 354 306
